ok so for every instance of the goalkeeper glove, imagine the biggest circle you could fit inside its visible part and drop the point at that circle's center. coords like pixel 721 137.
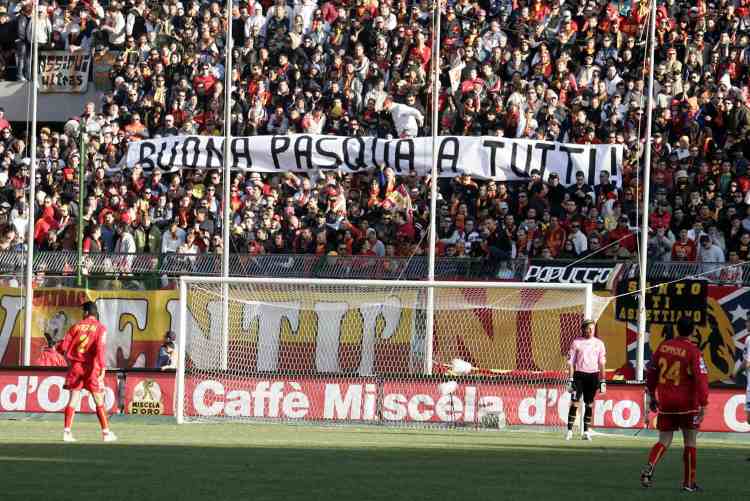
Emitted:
pixel 701 414
pixel 571 385
pixel 602 387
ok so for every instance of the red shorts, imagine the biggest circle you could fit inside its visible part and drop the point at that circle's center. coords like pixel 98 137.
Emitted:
pixel 81 375
pixel 674 422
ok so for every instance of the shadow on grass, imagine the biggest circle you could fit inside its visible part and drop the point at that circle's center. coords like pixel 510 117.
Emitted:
pixel 533 472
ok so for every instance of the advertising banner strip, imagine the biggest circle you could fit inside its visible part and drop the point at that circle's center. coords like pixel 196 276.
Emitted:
pixel 404 401
pixel 42 391
pixel 499 158
pixel 149 394
pixel 332 398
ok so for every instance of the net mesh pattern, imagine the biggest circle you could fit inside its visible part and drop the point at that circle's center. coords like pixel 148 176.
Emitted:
pixel 357 353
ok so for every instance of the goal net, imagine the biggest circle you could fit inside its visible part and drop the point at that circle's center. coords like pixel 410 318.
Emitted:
pixel 464 354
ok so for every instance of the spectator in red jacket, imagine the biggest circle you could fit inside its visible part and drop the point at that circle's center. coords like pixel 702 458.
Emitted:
pixel 623 234
pixel 661 217
pixel 684 249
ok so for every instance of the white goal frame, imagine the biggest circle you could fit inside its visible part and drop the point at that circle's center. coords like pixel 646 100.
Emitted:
pixel 395 284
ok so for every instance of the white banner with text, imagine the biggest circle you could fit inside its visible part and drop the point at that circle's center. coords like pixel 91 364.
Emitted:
pixel 498 158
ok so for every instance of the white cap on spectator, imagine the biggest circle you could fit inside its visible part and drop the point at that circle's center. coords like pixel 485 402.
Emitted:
pixel 726 80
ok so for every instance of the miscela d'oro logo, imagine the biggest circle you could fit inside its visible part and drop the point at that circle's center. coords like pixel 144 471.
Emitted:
pixel 146 399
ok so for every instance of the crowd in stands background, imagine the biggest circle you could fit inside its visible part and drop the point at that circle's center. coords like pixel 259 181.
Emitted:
pixel 571 71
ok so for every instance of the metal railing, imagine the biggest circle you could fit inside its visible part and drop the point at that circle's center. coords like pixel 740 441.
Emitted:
pixel 717 273
pixel 64 263
pixel 667 271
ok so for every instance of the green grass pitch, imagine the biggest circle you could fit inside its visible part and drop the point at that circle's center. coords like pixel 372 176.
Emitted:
pixel 160 460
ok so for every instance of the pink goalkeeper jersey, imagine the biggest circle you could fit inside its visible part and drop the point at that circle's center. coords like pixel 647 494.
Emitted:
pixel 586 354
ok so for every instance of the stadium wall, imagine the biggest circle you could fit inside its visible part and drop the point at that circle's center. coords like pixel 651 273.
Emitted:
pixel 51 107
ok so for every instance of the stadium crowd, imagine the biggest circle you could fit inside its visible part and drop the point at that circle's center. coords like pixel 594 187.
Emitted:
pixel 562 70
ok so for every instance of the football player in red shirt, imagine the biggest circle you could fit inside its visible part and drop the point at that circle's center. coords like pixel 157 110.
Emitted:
pixel 84 347
pixel 677 382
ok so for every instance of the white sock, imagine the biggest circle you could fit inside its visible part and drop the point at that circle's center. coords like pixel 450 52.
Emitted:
pixel 66 430
pixel 106 431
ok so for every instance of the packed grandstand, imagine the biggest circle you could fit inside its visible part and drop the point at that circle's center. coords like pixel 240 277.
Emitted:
pixel 565 71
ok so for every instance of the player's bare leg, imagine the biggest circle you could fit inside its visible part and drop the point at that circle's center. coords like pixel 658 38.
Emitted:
pixel 689 456
pixel 70 410
pixel 101 414
pixel 657 452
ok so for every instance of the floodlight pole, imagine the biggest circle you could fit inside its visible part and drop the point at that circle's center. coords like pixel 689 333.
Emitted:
pixel 430 324
pixel 29 297
pixel 642 279
pixel 81 187
pixel 227 188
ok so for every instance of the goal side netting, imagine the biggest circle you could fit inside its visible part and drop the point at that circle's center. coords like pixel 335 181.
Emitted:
pixel 362 352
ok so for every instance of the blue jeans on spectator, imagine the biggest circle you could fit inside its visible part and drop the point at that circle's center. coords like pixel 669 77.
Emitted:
pixel 23 54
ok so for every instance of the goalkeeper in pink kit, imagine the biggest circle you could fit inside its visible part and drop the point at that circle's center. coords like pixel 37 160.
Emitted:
pixel 587 359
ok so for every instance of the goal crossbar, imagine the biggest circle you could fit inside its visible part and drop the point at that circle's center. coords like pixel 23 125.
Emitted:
pixel 587 288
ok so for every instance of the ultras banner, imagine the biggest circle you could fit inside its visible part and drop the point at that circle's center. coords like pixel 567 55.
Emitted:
pixel 61 71
pixel 498 158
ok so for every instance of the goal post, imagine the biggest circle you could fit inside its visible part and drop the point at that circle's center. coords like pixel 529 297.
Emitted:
pixel 363 350
pixel 181 353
